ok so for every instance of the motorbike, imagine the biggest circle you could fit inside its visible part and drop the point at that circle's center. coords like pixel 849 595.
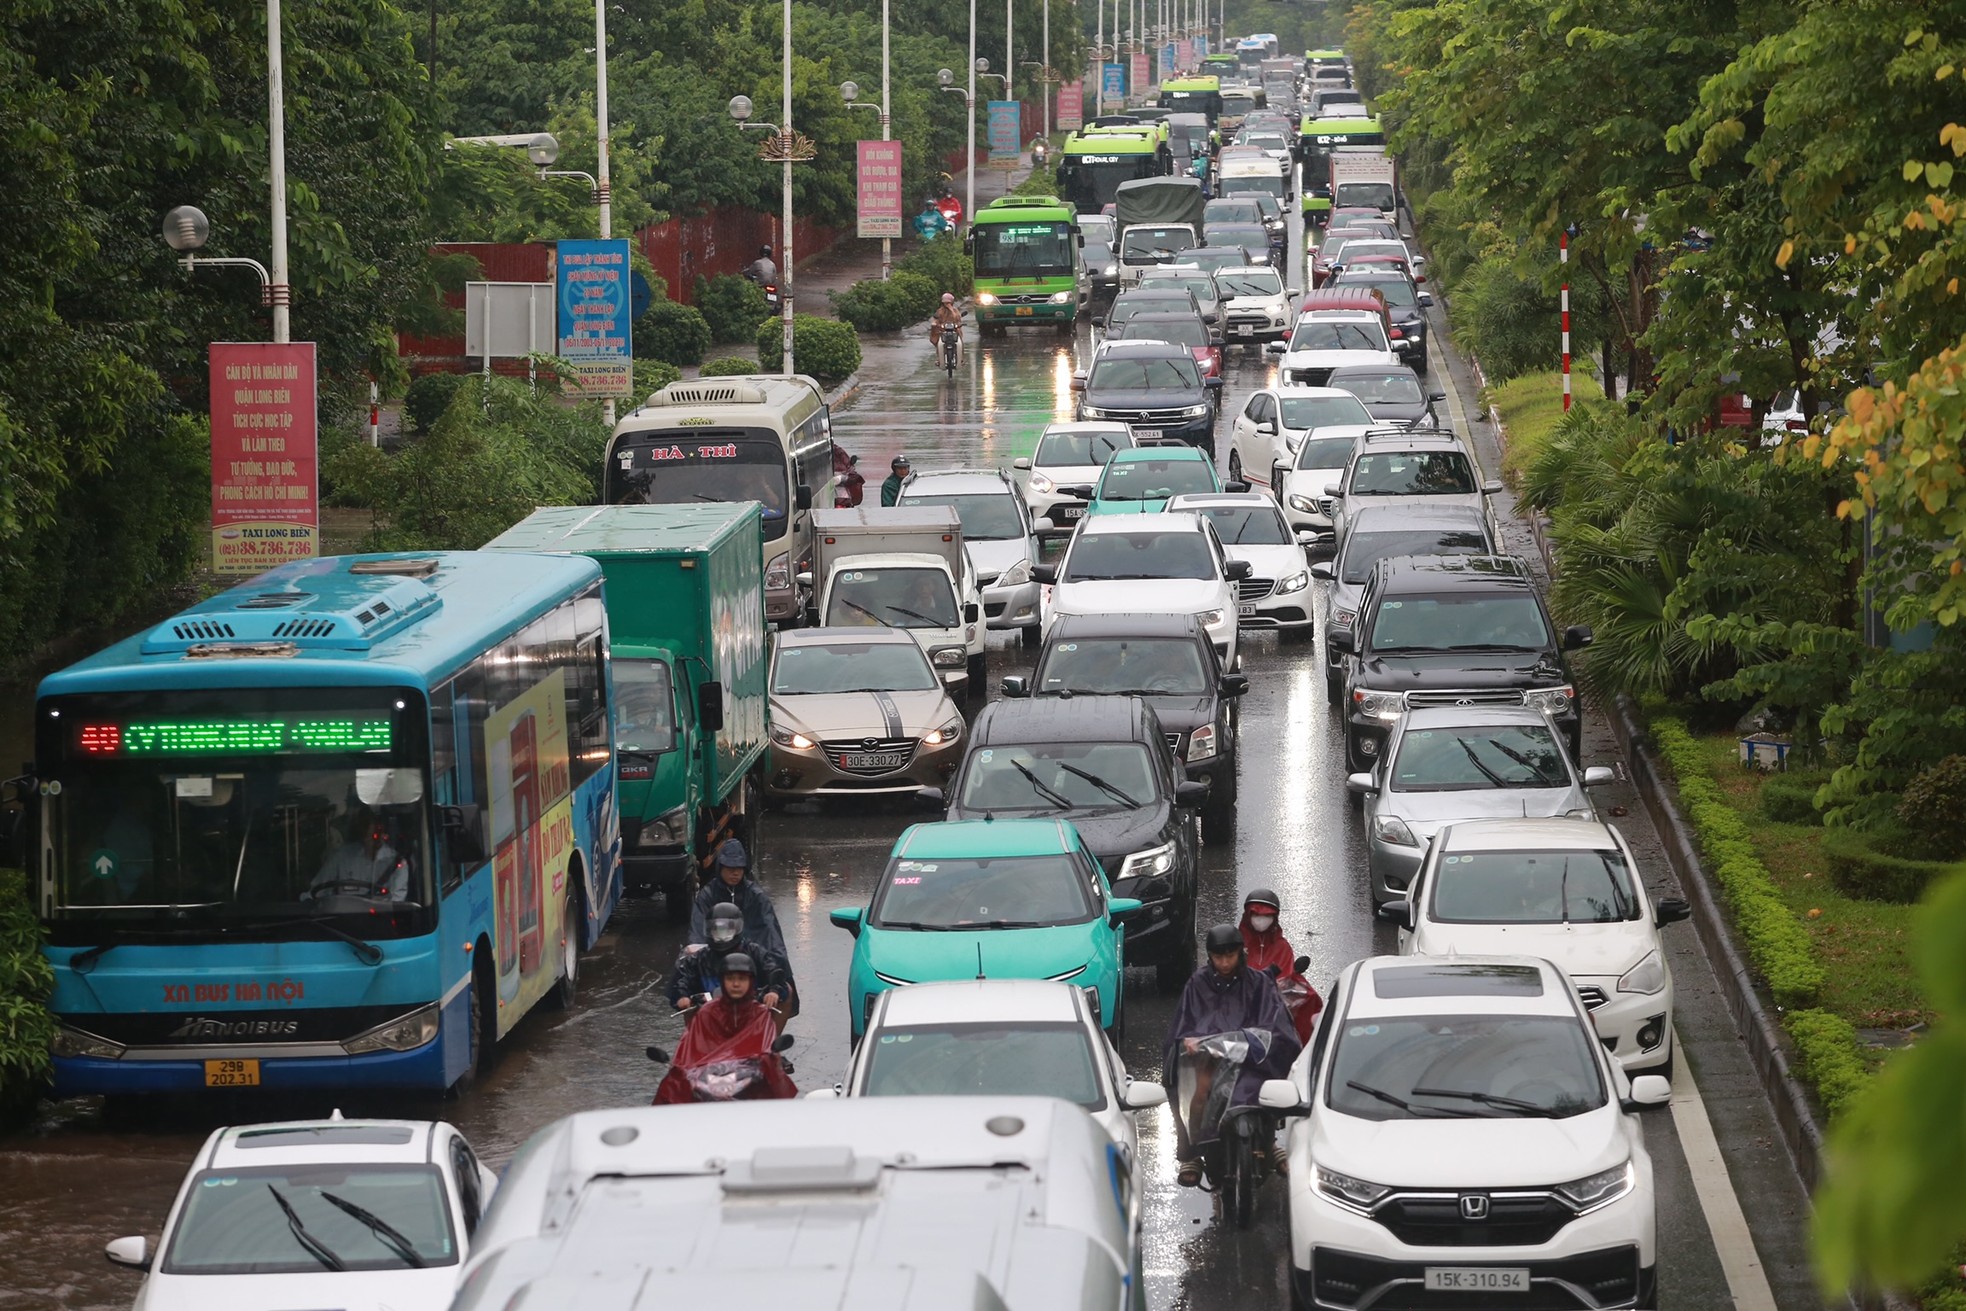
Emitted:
pixel 1040 154
pixel 952 350
pixel 952 209
pixel 768 286
pixel 1300 999
pixel 716 1062
pixel 1227 1137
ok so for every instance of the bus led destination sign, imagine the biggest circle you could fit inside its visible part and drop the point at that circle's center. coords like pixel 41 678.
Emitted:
pixel 234 737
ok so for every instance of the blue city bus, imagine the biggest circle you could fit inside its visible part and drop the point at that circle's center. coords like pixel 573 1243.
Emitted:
pixel 338 827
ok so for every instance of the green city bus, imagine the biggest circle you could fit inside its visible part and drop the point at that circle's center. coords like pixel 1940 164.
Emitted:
pixel 1026 253
pixel 1091 167
pixel 1194 95
pixel 1316 140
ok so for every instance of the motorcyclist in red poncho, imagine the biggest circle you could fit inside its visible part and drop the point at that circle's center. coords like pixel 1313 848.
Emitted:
pixel 726 1052
pixel 1267 949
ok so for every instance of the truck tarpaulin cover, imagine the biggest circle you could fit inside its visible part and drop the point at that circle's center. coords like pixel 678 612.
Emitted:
pixel 1158 200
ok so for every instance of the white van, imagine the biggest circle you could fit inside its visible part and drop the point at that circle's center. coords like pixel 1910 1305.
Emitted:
pixel 874 1204
pixel 1243 174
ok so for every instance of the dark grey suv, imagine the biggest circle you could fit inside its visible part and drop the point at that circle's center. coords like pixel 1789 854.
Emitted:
pixel 1153 387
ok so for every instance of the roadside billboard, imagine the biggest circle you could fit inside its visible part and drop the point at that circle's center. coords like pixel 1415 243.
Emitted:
pixel 265 449
pixel 1006 123
pixel 1139 60
pixel 1070 113
pixel 593 296
pixel 1113 89
pixel 879 189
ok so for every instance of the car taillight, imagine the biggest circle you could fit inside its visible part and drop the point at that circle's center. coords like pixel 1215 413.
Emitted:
pixel 1398 335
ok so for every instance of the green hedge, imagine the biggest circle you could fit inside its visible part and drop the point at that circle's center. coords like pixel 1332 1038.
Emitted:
pixel 427 399
pixel 730 305
pixel 872 305
pixel 730 366
pixel 672 333
pixel 1791 798
pixel 1829 1057
pixel 943 263
pixel 26 1027
pixel 651 376
pixel 1862 865
pixel 1778 944
pixel 825 348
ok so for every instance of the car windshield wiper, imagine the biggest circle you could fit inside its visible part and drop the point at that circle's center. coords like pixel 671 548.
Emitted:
pixel 915 924
pixel 387 1232
pixel 1404 1105
pixel 1099 783
pixel 1042 788
pixel 1475 760
pixel 930 620
pixel 1486 646
pixel 705 496
pixel 315 1248
pixel 1526 763
pixel 1486 1099
pixel 366 952
pixel 1007 924
pixel 855 605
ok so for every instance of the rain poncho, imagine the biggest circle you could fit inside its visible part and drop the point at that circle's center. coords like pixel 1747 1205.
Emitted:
pixel 726 1055
pixel 1243 1007
pixel 1268 947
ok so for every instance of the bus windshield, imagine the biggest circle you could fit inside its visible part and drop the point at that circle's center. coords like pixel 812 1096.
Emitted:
pixel 680 466
pixel 1023 250
pixel 1091 181
pixel 265 806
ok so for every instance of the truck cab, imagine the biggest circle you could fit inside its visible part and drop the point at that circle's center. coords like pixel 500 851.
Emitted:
pixel 903 567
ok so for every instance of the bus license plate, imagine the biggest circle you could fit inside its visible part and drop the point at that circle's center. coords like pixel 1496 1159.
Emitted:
pixel 873 759
pixel 232 1074
pixel 1474 1279
pixel 1025 311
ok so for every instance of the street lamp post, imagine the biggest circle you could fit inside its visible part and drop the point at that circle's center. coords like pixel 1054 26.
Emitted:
pixel 601 194
pixel 279 293
pixel 848 92
pixel 946 80
pixel 740 110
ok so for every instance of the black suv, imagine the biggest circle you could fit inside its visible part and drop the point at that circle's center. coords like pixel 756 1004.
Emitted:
pixel 1169 661
pixel 1448 630
pixel 1406 305
pixel 1151 387
pixel 1102 763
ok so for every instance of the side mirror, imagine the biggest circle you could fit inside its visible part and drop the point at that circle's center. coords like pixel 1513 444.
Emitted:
pixel 1098 320
pixel 1434 396
pixel 1277 1095
pixel 1301 964
pixel 1235 570
pixel 823 1095
pixel 1341 640
pixel 1122 909
pixel 1293 291
pixel 784 1043
pixel 134 1251
pixel 656 1054
pixel 1233 685
pixel 1213 384
pixel 1596 776
pixel 1083 491
pixel 1426 300
pixel 1363 785
pixel 848 918
pixel 971 612
pixel 1492 487
pixel 803 578
pixel 1235 485
pixel 1190 794
pixel 1577 637
pixel 710 706
pixel 1015 685
pixel 1143 1096
pixel 1332 490
pixel 1325 569
pixel 1649 1090
pixel 1274 348
pixel 1399 912
pixel 463 835
pixel 1267 427
pixel 931 799
pixel 803 499
pixel 1044 573
pixel 1078 384
pixel 1305 537
pixel 1671 911
pixel 1020 463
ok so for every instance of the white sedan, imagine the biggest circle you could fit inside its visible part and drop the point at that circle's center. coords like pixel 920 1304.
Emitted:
pixel 344 1213
pixel 1275 420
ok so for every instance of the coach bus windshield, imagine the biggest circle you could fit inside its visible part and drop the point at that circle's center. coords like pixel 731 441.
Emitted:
pixel 186 813
pixel 682 466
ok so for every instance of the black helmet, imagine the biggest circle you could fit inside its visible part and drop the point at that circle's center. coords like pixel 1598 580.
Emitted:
pixel 1262 897
pixel 765 251
pixel 726 924
pixel 900 462
pixel 739 963
pixel 1222 939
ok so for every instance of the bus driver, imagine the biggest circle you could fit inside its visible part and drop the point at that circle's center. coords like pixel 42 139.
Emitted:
pixel 365 865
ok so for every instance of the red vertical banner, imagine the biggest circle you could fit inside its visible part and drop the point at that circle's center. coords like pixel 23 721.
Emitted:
pixel 879 188
pixel 1070 116
pixel 265 455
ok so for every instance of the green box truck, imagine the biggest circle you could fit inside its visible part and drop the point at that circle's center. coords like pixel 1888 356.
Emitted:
pixel 686 622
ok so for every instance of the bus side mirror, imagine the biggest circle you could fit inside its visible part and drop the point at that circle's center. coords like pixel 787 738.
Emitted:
pixel 463 835
pixel 710 706
pixel 803 499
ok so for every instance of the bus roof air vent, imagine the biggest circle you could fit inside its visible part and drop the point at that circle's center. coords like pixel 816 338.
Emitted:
pixel 349 610
pixel 710 393
pixel 395 567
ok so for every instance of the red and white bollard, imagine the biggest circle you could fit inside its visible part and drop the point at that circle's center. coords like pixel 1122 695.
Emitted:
pixel 375 414
pixel 1563 258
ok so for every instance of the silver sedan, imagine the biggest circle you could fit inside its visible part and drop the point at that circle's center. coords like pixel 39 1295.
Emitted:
pixel 1449 763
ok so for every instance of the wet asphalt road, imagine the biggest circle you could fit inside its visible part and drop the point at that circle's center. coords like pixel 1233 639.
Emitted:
pixel 73 1182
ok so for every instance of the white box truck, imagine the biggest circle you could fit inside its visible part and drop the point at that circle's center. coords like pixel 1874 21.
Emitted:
pixel 902 567
pixel 1365 175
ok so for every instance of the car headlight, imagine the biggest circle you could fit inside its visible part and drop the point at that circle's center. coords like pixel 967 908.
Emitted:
pixel 1092 412
pixel 1042 484
pixel 948 657
pixel 1556 700
pixel 1152 861
pixel 1305 504
pixel 985 298
pixel 778 574
pixel 667 828
pixel 1213 618
pixel 1596 1191
pixel 1015 576
pixel 77 1042
pixel 1112 270
pixel 1201 744
pixel 1392 830
pixel 1194 411
pixel 1297 582
pixel 785 737
pixel 1061 297
pixel 1352 1194
pixel 1379 705
pixel 402 1034
pixel 1648 976
pixel 949 732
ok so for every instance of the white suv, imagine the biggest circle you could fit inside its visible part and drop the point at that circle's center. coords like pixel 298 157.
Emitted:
pixel 1255 304
pixel 1566 889
pixel 1122 564
pixel 1459 1136
pixel 1324 340
pixel 1068 455
pixel 998 533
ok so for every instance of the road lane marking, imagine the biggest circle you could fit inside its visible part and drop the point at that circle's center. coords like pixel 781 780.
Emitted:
pixel 1746 1280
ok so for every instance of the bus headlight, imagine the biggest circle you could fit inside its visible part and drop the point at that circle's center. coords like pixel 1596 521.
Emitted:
pixel 778 574
pixel 76 1042
pixel 985 298
pixel 402 1034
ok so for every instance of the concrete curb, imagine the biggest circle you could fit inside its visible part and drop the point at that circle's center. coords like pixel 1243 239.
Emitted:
pixel 845 392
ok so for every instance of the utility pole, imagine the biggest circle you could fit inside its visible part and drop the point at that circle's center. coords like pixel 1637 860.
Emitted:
pixel 603 197
pixel 969 103
pixel 785 275
pixel 1044 73
pixel 887 119
pixel 280 293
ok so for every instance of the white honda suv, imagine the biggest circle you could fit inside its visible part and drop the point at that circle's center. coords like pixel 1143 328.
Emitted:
pixel 1122 564
pixel 1458 1137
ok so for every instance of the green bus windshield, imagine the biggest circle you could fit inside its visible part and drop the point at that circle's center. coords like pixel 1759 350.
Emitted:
pixel 1024 249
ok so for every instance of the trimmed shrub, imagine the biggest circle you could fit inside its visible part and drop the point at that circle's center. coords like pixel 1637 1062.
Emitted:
pixel 1934 810
pixel 730 366
pixel 1864 865
pixel 872 305
pixel 1791 798
pixel 427 399
pixel 943 263
pixel 651 376
pixel 1828 1055
pixel 672 333
pixel 730 305
pixel 825 348
pixel 26 1027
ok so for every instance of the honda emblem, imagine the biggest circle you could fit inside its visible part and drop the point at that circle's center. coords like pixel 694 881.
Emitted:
pixel 1474 1206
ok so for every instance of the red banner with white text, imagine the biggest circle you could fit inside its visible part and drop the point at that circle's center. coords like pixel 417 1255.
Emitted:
pixel 265 449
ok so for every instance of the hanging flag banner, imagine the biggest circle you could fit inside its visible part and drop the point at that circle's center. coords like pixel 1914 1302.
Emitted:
pixel 1114 87
pixel 1070 115
pixel 879 189
pixel 1184 53
pixel 1139 60
pixel 1006 123
pixel 593 297
pixel 265 492
pixel 1166 62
